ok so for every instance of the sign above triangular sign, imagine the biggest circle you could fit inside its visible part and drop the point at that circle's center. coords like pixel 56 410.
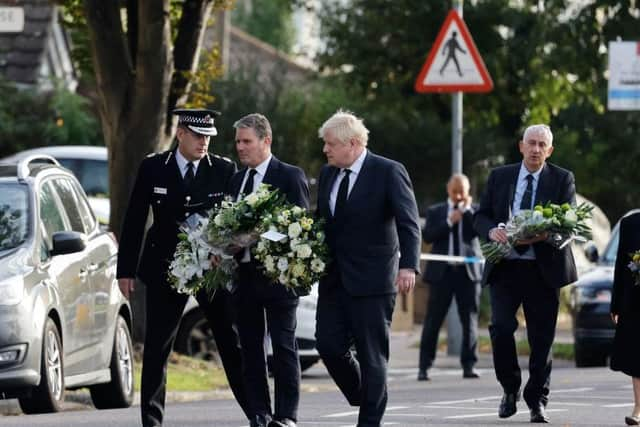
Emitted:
pixel 454 64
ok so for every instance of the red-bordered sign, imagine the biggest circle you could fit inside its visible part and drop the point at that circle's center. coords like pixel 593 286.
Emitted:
pixel 454 64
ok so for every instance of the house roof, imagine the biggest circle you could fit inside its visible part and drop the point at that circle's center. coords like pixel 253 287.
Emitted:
pixel 40 50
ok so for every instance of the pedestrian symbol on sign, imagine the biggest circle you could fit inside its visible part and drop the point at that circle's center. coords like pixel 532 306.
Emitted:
pixel 452 45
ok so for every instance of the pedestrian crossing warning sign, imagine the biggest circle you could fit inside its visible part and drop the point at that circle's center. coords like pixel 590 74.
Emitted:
pixel 454 64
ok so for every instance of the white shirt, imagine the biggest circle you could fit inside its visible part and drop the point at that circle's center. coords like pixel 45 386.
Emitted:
pixel 261 170
pixel 355 168
pixel 182 163
pixel 521 187
pixel 458 232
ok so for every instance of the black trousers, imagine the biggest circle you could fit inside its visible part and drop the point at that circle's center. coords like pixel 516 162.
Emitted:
pixel 455 282
pixel 164 309
pixel 344 321
pixel 515 283
pixel 258 300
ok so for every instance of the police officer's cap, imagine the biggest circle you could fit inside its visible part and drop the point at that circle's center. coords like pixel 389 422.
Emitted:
pixel 198 120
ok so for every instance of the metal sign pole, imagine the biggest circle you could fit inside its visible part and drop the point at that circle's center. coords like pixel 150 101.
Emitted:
pixel 454 327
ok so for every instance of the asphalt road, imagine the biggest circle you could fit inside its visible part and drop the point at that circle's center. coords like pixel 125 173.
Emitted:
pixel 584 397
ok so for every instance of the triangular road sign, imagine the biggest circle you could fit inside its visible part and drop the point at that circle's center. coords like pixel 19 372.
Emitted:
pixel 454 64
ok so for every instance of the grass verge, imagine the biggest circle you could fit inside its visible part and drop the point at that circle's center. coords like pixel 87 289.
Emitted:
pixel 188 374
pixel 560 350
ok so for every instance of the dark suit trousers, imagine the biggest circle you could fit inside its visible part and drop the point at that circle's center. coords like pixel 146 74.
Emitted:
pixel 342 321
pixel 454 281
pixel 164 309
pixel 254 300
pixel 514 283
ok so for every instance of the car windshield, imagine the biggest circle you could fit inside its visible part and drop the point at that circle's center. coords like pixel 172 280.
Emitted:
pixel 610 252
pixel 92 174
pixel 14 215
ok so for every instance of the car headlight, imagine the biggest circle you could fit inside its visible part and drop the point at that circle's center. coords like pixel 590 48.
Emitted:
pixel 588 295
pixel 11 290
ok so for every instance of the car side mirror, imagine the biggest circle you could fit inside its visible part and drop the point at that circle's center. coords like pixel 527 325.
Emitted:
pixel 591 252
pixel 67 242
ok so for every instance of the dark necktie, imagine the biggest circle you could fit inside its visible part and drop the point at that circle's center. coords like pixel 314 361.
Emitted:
pixel 525 203
pixel 456 239
pixel 248 185
pixel 343 191
pixel 189 176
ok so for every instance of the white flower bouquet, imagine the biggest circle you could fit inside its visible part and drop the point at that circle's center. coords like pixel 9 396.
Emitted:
pixel 225 230
pixel 292 250
pixel 559 223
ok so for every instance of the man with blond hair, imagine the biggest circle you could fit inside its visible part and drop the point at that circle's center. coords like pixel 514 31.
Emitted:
pixel 531 274
pixel 371 224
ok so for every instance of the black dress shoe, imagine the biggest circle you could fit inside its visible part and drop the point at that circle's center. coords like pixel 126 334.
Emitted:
pixel 284 422
pixel 538 414
pixel 423 376
pixel 632 421
pixel 260 421
pixel 508 404
pixel 470 373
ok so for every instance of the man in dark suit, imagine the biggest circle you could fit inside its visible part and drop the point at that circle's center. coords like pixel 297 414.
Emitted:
pixel 449 229
pixel 531 274
pixel 175 184
pixel 255 296
pixel 373 235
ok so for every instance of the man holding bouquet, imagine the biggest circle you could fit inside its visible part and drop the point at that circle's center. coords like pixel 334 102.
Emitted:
pixel 256 297
pixel 175 184
pixel 531 274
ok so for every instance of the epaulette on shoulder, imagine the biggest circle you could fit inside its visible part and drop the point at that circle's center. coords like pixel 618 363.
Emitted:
pixel 226 159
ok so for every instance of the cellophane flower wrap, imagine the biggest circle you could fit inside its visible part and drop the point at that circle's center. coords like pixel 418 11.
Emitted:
pixel 562 224
pixel 300 258
pixel 224 231
pixel 634 266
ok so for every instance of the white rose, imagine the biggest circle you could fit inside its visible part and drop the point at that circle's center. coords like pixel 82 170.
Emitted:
pixel 296 210
pixel 218 220
pixel 283 278
pixel 251 199
pixel 571 216
pixel 261 247
pixel 269 264
pixel 298 270
pixel 283 264
pixel 294 230
pixel 304 251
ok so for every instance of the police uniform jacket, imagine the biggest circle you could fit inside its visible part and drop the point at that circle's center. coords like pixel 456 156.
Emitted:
pixel 159 186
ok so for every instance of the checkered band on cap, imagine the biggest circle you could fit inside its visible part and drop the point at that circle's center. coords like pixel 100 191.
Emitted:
pixel 195 120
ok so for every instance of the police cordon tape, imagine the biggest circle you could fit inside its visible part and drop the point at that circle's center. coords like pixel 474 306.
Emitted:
pixel 453 259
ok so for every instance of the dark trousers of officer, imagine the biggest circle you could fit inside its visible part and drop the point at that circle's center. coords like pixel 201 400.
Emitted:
pixel 164 309
pixel 455 282
pixel 256 299
pixel 343 321
pixel 515 283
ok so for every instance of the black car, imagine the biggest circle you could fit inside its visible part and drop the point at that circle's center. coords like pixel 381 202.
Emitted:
pixel 65 323
pixel 590 304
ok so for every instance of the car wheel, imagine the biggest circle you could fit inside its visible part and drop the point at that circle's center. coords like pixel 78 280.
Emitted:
pixel 587 357
pixel 49 394
pixel 119 392
pixel 195 337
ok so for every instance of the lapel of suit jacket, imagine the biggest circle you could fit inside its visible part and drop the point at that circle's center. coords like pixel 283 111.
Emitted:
pixel 359 186
pixel 271 174
pixel 512 180
pixel 236 182
pixel 325 191
pixel 174 180
pixel 544 190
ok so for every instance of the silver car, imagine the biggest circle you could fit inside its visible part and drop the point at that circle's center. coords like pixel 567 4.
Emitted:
pixel 65 323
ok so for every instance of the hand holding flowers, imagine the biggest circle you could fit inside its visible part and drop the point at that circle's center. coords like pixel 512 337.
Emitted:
pixel 554 224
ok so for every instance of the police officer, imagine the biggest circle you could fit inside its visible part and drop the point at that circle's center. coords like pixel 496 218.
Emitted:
pixel 175 184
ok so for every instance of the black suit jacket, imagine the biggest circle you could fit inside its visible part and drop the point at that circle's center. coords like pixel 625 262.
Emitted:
pixel 159 186
pixel 436 232
pixel 292 182
pixel 380 221
pixel 556 185
pixel 626 295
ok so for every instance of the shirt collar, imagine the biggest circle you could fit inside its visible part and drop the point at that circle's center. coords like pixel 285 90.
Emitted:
pixel 262 167
pixel 182 162
pixel 524 172
pixel 356 166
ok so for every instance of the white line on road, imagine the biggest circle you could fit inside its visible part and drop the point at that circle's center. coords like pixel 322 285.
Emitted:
pixel 473 399
pixel 347 414
pixel 618 405
pixel 472 408
pixel 493 414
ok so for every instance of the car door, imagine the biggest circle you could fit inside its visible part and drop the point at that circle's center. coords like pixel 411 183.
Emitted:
pixel 68 276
